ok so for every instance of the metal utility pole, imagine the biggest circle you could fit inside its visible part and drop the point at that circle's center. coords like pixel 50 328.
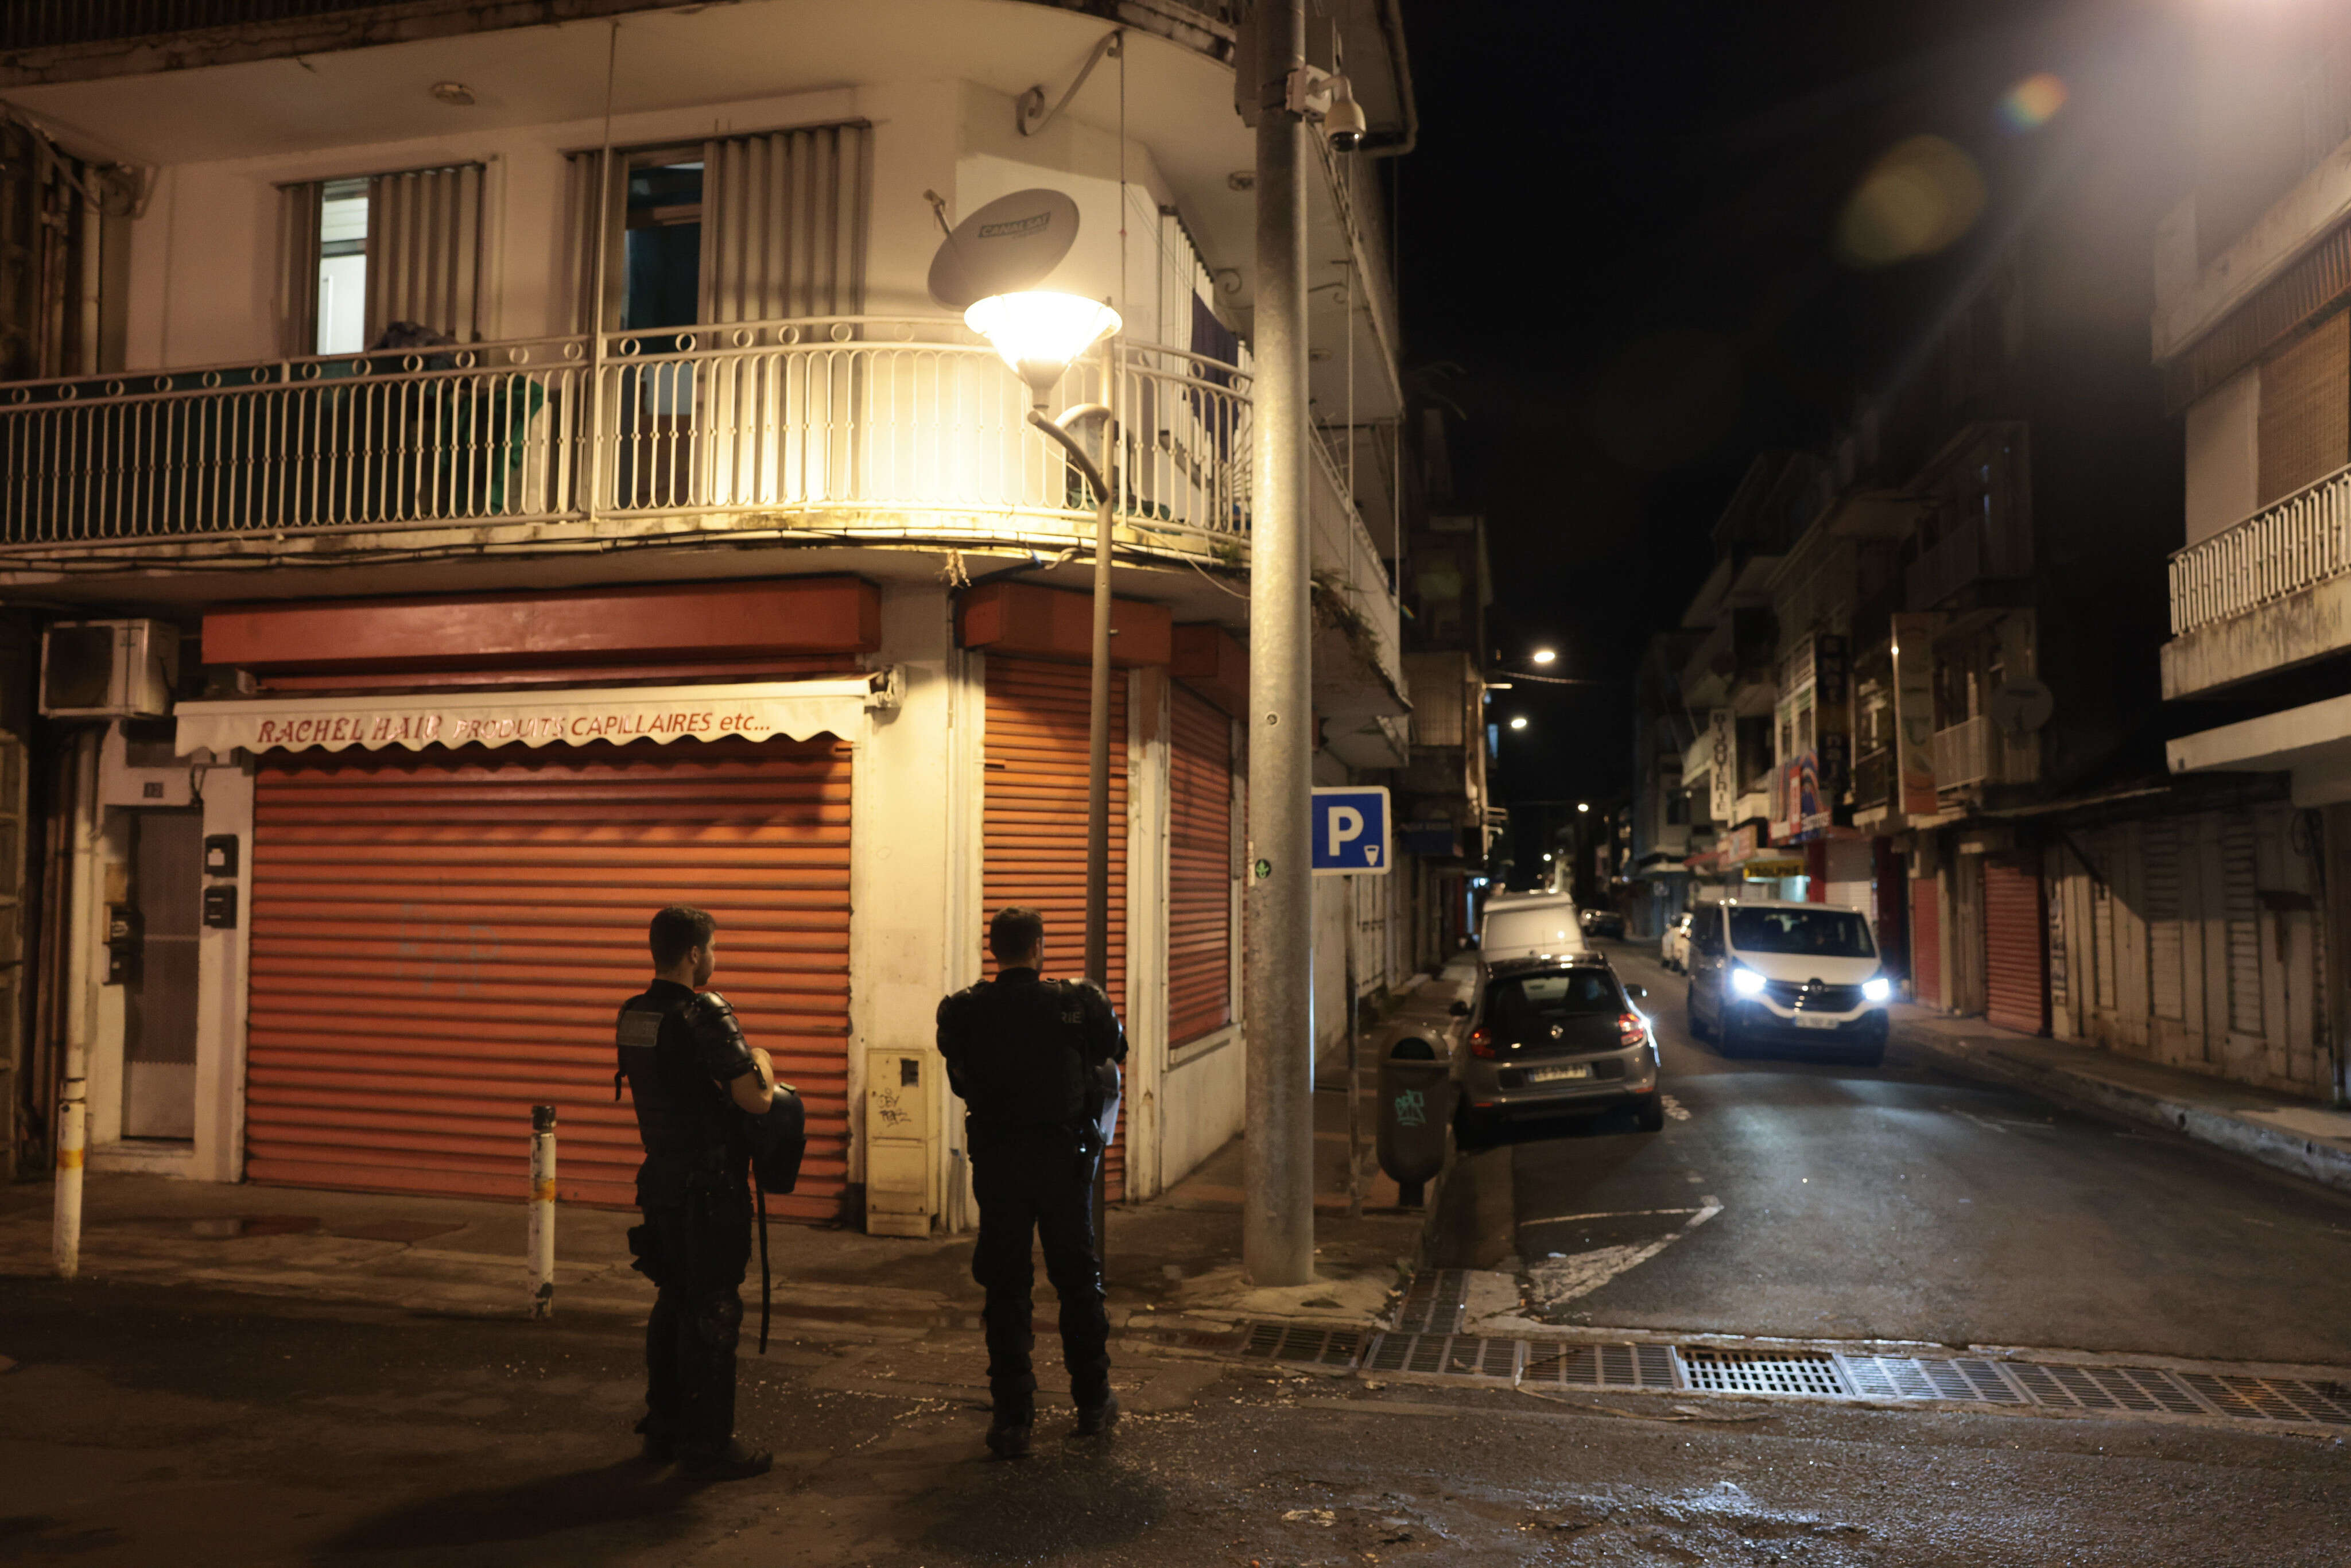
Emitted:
pixel 1098 713
pixel 1278 956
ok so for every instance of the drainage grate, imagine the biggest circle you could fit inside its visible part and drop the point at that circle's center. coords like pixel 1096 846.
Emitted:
pixel 1816 1374
pixel 1303 1342
pixel 1435 1302
pixel 1749 1372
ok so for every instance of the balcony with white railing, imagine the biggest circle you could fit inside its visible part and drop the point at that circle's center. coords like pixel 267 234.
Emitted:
pixel 854 428
pixel 1978 752
pixel 2271 593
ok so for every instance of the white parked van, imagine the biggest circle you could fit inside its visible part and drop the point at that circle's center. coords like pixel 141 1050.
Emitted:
pixel 1531 926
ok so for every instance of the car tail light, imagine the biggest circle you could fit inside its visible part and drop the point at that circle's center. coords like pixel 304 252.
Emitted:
pixel 1630 1030
pixel 1482 1042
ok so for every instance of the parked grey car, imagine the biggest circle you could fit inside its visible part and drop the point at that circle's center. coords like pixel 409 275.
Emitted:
pixel 1554 1036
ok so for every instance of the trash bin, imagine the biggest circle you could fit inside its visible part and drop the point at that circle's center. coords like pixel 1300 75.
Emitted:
pixel 1416 1107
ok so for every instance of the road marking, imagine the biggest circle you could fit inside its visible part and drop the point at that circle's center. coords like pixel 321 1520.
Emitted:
pixel 1555 1282
pixel 1617 1214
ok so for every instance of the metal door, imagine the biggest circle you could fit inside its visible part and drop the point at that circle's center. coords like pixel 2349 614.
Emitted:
pixel 442 938
pixel 1035 821
pixel 159 998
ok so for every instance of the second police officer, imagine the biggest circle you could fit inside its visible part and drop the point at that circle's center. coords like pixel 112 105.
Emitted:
pixel 694 1079
pixel 1035 1061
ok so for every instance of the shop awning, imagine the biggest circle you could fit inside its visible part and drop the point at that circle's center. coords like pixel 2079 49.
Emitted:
pixel 793 709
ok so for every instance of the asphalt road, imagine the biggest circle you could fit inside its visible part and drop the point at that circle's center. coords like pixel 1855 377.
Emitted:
pixel 141 1426
pixel 1815 1199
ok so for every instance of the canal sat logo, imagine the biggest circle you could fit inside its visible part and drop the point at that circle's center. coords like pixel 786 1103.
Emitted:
pixel 1015 228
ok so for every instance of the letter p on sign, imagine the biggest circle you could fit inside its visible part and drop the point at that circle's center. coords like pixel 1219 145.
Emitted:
pixel 1351 831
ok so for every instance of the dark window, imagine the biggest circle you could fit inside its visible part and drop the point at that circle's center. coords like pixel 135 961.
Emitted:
pixel 1818 933
pixel 1526 1001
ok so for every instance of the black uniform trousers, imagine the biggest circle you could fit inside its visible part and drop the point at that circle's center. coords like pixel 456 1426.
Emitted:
pixel 1037 1179
pixel 694 1250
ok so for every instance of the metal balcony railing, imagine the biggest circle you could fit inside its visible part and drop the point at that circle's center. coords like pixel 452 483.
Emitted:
pixel 2291 544
pixel 858 426
pixel 1874 778
pixel 1977 751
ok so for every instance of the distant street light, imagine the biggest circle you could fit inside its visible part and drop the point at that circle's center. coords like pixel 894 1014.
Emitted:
pixel 1546 854
pixel 1520 722
pixel 1545 655
pixel 1584 806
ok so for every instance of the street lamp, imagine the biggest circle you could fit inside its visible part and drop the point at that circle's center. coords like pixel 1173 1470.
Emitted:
pixel 1039 334
pixel 1584 805
pixel 1545 655
pixel 1520 722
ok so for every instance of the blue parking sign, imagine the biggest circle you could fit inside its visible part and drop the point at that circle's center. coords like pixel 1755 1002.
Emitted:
pixel 1351 831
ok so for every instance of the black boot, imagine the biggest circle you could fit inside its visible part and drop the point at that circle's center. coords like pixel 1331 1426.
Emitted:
pixel 1009 1431
pixel 1093 1420
pixel 734 1462
pixel 661 1448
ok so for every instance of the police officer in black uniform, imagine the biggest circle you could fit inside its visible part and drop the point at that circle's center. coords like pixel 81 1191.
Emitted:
pixel 1032 1060
pixel 694 1079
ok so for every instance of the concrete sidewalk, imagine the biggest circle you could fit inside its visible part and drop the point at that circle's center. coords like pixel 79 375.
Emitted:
pixel 1173 1263
pixel 2302 1136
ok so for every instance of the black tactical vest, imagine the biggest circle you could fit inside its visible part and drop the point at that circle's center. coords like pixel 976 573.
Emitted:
pixel 684 1111
pixel 1024 1062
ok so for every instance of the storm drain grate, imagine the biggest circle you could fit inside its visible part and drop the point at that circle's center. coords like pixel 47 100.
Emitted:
pixel 1817 1375
pixel 1435 1302
pixel 1303 1342
pixel 1908 1377
pixel 1749 1372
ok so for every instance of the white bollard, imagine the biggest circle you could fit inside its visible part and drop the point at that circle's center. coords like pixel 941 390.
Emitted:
pixel 79 1007
pixel 542 1211
pixel 73 1129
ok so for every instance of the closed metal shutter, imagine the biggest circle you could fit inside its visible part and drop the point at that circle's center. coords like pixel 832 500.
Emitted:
pixel 1925 943
pixel 2305 411
pixel 1199 870
pixel 441 939
pixel 2166 933
pixel 2102 941
pixel 2061 994
pixel 1035 821
pixel 2015 978
pixel 2240 911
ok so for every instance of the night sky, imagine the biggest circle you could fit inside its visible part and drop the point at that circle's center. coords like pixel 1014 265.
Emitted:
pixel 1618 257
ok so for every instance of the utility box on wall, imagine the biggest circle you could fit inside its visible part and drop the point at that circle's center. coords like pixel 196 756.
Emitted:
pixel 902 1091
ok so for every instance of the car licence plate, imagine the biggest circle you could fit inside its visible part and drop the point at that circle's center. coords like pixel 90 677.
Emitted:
pixel 1806 1021
pixel 1554 1074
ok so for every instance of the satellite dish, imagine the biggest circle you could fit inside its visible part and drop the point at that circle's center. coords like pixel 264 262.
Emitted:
pixel 1013 242
pixel 2020 707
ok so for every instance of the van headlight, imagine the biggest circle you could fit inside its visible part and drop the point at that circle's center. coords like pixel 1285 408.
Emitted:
pixel 1877 988
pixel 1747 982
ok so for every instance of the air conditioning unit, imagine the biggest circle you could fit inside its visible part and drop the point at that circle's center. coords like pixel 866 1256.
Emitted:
pixel 109 669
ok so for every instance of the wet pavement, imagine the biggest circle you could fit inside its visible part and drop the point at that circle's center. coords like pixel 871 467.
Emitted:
pixel 1817 1200
pixel 143 1426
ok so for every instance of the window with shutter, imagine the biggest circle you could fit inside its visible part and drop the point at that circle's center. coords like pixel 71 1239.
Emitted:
pixel 2306 412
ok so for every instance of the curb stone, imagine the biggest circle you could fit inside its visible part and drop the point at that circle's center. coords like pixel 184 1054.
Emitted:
pixel 2313 1159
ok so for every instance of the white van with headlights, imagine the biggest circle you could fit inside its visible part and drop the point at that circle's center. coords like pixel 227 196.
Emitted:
pixel 1792 975
pixel 1531 926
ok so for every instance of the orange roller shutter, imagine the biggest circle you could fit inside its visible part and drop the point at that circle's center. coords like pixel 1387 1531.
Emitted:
pixel 2016 972
pixel 441 940
pixel 1035 820
pixel 1926 942
pixel 1199 870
